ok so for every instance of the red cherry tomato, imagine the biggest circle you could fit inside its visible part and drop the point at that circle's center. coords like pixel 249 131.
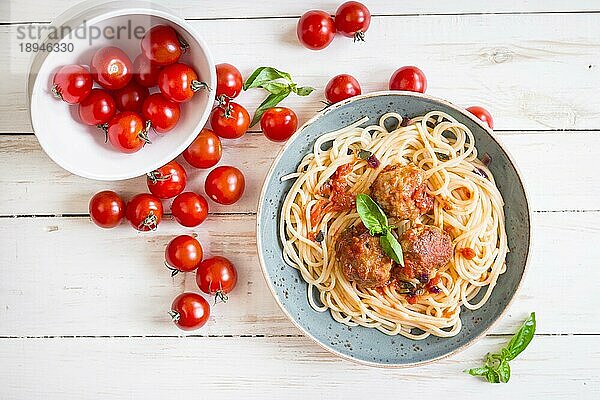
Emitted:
pixel 183 254
pixel 145 71
pixel 189 209
pixel 111 68
pixel 127 132
pixel 315 29
pixel 229 81
pixel 225 185
pixel 482 114
pixel 230 121
pixel 144 212
pixel 279 123
pixel 409 78
pixel 162 45
pixel 167 181
pixel 107 209
pixel 189 311
pixel 216 275
pixel 178 82
pixel 131 97
pixel 341 87
pixel 205 151
pixel 72 83
pixel 97 108
pixel 352 19
pixel 162 113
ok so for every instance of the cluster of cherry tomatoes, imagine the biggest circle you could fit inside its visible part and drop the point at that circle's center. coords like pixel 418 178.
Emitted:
pixel 123 106
pixel 316 28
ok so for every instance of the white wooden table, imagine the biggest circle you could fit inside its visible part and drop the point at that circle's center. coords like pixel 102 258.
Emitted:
pixel 83 310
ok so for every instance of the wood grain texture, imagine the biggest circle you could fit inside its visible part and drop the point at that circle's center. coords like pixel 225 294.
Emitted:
pixel 535 75
pixel 567 158
pixel 292 368
pixel 30 10
pixel 70 278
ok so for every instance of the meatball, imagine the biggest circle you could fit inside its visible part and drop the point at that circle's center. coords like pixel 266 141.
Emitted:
pixel 426 248
pixel 362 258
pixel 401 191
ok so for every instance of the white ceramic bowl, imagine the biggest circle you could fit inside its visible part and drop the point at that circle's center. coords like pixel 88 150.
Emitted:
pixel 79 148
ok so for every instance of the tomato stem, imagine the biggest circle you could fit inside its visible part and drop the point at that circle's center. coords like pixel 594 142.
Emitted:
pixel 175 316
pixel 150 222
pixel 326 103
pixel 174 271
pixel 198 85
pixel 221 297
pixel 56 92
pixel 183 44
pixel 359 36
pixel 157 176
pixel 143 135
pixel 104 128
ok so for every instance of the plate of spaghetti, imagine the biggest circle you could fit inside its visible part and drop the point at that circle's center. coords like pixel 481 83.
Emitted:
pixel 393 229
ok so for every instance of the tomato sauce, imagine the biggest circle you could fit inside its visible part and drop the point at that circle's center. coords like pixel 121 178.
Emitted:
pixel 467 253
pixel 338 190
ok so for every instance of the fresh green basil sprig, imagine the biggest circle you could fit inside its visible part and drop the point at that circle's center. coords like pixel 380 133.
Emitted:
pixel 496 368
pixel 377 223
pixel 278 83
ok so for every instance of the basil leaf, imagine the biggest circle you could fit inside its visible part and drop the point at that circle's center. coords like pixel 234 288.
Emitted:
pixel 275 87
pixel 371 214
pixel 521 339
pixel 304 90
pixel 364 154
pixel 391 247
pixel 492 376
pixel 271 101
pixel 481 371
pixel 265 74
pixel 503 371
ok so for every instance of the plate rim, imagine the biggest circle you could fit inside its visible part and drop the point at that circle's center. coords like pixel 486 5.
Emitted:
pixel 261 201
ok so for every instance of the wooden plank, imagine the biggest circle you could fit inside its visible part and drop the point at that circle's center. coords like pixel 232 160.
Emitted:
pixel 64 276
pixel 259 368
pixel 531 76
pixel 567 160
pixel 29 10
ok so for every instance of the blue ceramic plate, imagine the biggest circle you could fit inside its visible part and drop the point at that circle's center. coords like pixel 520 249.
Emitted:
pixel 365 345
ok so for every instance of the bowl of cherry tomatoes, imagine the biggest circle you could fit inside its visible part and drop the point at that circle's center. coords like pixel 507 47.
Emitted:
pixel 120 105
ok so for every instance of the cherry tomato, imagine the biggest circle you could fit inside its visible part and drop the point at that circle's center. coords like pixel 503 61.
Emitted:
pixel 72 83
pixel 127 132
pixel 341 87
pixel 107 209
pixel 229 81
pixel 167 181
pixel 205 151
pixel 189 209
pixel 131 97
pixel 279 123
pixel 162 45
pixel 230 121
pixel 482 114
pixel 189 311
pixel 162 113
pixel 145 71
pixel 97 108
pixel 409 78
pixel 225 185
pixel 178 82
pixel 216 275
pixel 352 19
pixel 144 212
pixel 183 254
pixel 111 68
pixel 315 30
